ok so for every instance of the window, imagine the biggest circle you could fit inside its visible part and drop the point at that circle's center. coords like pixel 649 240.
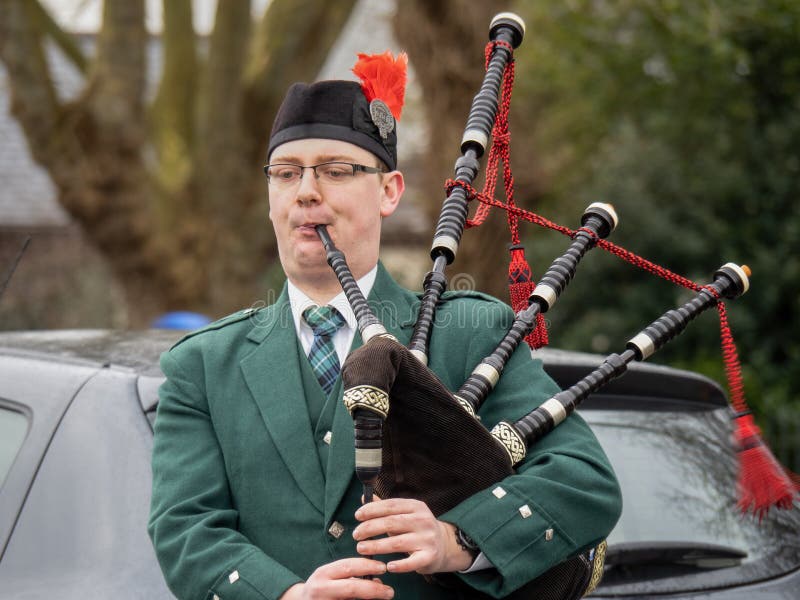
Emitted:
pixel 13 427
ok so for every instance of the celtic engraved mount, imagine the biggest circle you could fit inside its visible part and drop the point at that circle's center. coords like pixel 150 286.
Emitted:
pixel 512 441
pixel 465 405
pixel 597 566
pixel 366 397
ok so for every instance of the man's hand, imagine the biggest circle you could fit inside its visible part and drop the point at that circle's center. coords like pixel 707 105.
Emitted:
pixel 412 529
pixel 339 581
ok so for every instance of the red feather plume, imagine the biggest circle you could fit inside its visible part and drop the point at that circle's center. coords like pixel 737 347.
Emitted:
pixel 384 77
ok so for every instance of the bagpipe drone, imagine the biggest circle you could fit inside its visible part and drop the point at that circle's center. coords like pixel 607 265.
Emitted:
pixel 389 390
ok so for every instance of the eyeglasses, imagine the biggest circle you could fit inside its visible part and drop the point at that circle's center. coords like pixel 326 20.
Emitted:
pixel 286 175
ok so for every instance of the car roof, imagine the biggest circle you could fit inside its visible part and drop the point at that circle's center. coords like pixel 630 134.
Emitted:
pixel 136 351
pixel 139 351
pixel 653 385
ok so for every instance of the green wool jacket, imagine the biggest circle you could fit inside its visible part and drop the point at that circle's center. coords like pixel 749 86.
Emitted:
pixel 251 493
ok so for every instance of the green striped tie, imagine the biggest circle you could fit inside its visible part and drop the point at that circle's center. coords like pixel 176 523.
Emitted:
pixel 324 322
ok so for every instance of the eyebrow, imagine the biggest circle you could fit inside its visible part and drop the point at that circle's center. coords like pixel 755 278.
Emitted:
pixel 318 160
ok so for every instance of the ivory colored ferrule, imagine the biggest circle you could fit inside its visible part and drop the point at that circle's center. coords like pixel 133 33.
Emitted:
pixel 643 344
pixel 369 457
pixel 475 136
pixel 508 16
pixel 488 372
pixel 555 409
pixel 743 275
pixel 370 331
pixel 445 241
pixel 546 293
pixel 420 356
pixel 609 209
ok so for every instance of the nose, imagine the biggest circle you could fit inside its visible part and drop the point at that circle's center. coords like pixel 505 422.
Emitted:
pixel 308 188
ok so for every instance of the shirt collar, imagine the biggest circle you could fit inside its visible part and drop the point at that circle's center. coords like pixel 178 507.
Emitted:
pixel 299 301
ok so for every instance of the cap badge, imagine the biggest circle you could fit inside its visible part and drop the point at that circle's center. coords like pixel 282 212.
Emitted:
pixel 382 117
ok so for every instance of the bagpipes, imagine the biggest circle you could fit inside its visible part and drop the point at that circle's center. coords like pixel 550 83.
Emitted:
pixel 389 390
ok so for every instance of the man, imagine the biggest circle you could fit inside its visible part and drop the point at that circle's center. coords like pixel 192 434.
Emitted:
pixel 254 495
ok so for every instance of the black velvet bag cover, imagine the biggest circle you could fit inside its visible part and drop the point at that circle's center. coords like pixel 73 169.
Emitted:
pixel 435 451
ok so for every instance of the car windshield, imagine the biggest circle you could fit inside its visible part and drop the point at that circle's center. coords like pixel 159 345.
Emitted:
pixel 678 478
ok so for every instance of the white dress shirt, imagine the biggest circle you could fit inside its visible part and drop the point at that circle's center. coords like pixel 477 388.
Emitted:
pixel 343 338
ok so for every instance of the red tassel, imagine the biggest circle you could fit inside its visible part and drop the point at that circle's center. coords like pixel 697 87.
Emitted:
pixel 520 286
pixel 384 77
pixel 762 481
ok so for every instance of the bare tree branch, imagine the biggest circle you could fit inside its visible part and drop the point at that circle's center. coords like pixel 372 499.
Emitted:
pixel 62 39
pixel 118 73
pixel 33 98
pixel 220 117
pixel 172 115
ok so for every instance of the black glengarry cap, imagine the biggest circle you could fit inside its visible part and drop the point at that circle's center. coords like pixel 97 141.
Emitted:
pixel 363 114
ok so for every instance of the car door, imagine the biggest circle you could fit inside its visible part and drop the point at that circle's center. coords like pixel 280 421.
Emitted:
pixel 81 531
pixel 34 394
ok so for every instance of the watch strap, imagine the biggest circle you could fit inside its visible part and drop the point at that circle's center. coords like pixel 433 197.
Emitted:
pixel 466 542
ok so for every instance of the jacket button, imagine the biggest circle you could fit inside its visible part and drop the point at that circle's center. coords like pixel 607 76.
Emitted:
pixel 336 529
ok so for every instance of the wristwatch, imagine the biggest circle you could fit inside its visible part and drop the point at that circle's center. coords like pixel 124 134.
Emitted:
pixel 466 542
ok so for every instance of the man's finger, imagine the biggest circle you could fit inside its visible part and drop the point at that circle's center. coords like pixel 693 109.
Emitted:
pixel 347 579
pixel 418 561
pixel 382 508
pixel 388 545
pixel 359 588
pixel 352 567
pixel 391 525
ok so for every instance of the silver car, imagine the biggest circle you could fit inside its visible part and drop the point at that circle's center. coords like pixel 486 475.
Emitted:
pixel 76 414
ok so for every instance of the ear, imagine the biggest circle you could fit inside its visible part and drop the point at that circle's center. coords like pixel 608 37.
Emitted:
pixel 393 186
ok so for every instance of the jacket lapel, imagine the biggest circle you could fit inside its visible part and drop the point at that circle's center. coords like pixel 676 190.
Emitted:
pixel 396 308
pixel 272 374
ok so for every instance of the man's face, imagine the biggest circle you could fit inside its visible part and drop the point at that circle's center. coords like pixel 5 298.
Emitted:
pixel 352 210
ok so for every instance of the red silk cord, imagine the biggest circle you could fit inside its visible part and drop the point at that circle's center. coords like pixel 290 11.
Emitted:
pixel 520 275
